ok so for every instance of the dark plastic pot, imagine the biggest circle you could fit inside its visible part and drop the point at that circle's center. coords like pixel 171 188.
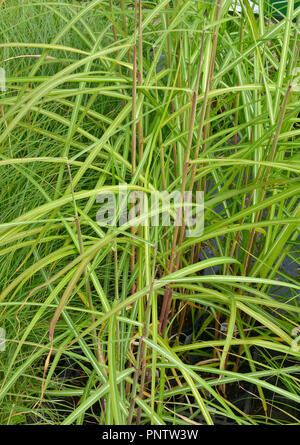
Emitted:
pixel 278 8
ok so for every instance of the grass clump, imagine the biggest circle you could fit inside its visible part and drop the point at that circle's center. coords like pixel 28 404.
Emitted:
pixel 142 324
